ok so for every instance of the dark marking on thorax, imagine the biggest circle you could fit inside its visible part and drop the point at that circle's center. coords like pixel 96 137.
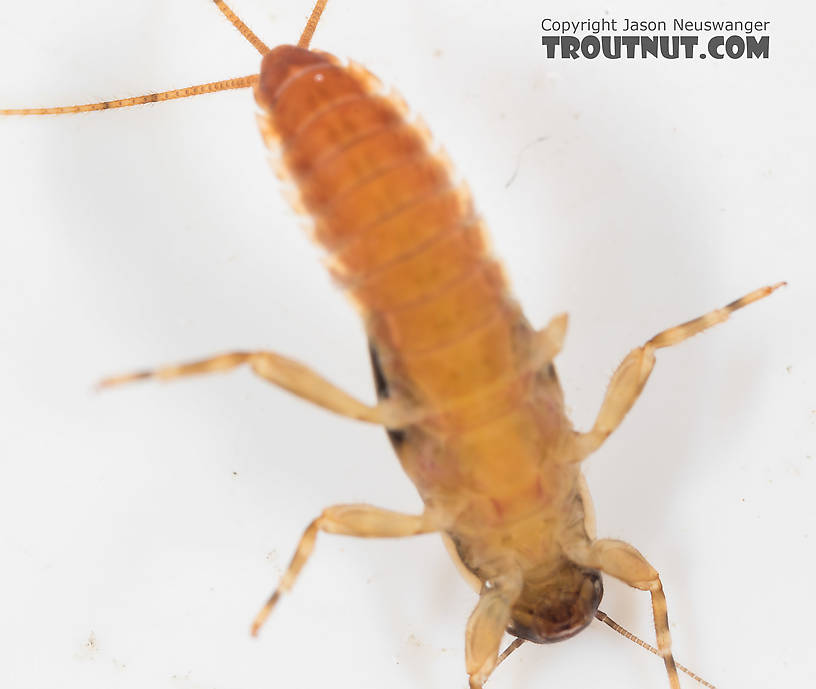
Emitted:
pixel 396 436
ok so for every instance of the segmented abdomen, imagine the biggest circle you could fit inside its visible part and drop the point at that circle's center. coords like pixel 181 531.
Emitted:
pixel 402 237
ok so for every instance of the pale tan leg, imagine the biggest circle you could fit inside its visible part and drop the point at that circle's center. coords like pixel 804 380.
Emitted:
pixel 487 624
pixel 622 561
pixel 285 373
pixel 630 377
pixel 489 620
pixel 363 521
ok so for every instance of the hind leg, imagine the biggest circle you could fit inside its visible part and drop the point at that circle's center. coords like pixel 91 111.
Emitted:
pixel 285 373
pixel 632 374
pixel 363 521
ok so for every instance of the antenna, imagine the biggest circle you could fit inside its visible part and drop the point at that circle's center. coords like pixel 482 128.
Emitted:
pixel 609 622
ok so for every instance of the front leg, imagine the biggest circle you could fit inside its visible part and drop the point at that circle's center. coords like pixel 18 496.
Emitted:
pixel 622 561
pixel 488 623
pixel 630 377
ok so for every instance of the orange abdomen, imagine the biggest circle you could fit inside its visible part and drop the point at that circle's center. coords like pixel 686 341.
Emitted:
pixel 402 238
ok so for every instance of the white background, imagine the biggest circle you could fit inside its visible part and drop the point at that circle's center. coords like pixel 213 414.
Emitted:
pixel 156 519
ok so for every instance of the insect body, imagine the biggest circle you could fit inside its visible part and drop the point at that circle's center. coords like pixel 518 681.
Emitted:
pixel 448 343
pixel 467 389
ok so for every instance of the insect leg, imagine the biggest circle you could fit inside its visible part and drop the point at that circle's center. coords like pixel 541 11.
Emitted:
pixel 630 377
pixel 359 520
pixel 283 372
pixel 487 623
pixel 624 562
